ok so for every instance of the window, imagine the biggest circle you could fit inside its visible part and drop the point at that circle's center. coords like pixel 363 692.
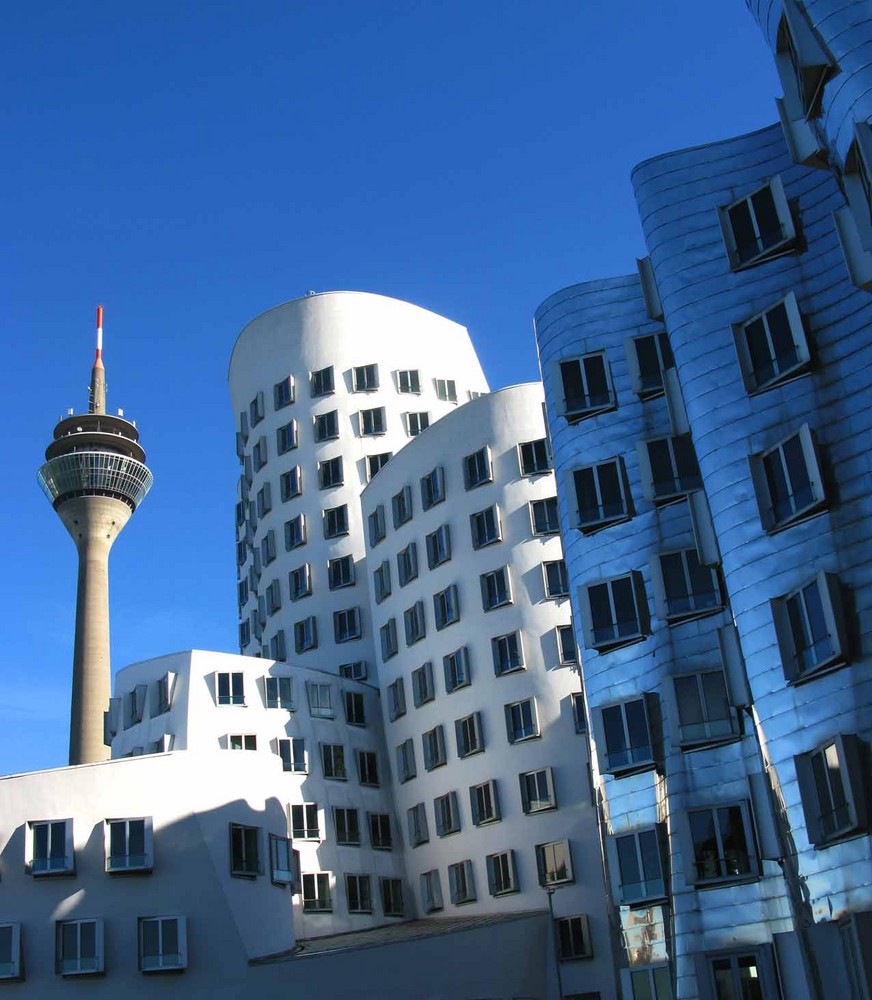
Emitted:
pixel 587 387
pixel 321 382
pixel 305 635
pixel 245 851
pixel 438 546
pixel 380 832
pixel 396 699
pixel 277 648
pixel 772 347
pixel 508 653
pixel 857 182
pixel 810 627
pixel 79 947
pixel 295 532
pixel 433 743
pixel 537 791
pixel 649 358
pixel 556 579
pixel 567 651
pixel 256 410
pixel 446 390
pixel 365 378
pixel 164 689
pixel 282 870
pixel 162 943
pixel 722 840
pixel 401 505
pixel 832 790
pixel 330 472
pixel 293 755
pixel 615 617
pixel 502 877
pixel 134 705
pixel 477 469
pixel 704 712
pixel 495 589
pixel 521 721
pixel 788 481
pixel 333 761
pixel 533 457
pixel 544 516
pixel 461 883
pixel 320 700
pixel 244 634
pixel 372 422
pixel 327 426
pixel 423 689
pixel 415 625
pixel 418 831
pixel 417 422
pixel 554 863
pixel 340 572
pixel 291 484
pixel 447 814
pixel 456 668
pixel 625 736
pixel 346 625
pixel 433 488
pixel 355 671
pixel 10 951
pixel 267 547
pixel 355 711
pixel 336 521
pixel 669 467
pixel 469 735
pixel 406 767
pixel 259 454
pixel 407 564
pixel 230 689
pixel 409 381
pixel 691 590
pixel 367 767
pixel 300 582
pixel 579 716
pixel 649 983
pixel 283 393
pixel 735 976
pixel 388 638
pixel 431 891
pixel 264 500
pixel 601 494
pixel 485 527
pixel 128 845
pixel 286 437
pixel 347 827
pixel 803 64
pixel 381 582
pixel 638 864
pixel 273 597
pixel 242 741
pixel 375 463
pixel 304 822
pixel 316 892
pixel 484 803
pixel 446 608
pixel 392 897
pixel 758 227
pixel 376 525
pixel 573 938
pixel 358 892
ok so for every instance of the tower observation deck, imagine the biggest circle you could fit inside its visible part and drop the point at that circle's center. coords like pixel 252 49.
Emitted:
pixel 95 477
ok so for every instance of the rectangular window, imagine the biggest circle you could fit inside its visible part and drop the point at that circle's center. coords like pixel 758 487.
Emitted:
pixel 615 617
pixel 446 607
pixel 456 668
pixel 355 671
pixel 433 745
pixel 365 378
pixel 406 767
pixel 508 653
pixel 417 422
pixel 477 469
pixel 316 892
pixel 388 639
pixel 259 454
pixel 10 951
pixel 741 974
pixel 304 822
pixel 162 943
pixel 669 468
pixel 484 803
pixel 537 791
pixel 376 524
pixel 245 851
pixel 267 548
pixel 423 689
pixel 340 572
pixel 639 867
pixel 380 838
pixel 230 689
pixel 333 761
pixel 579 715
pixel 283 393
pixel 336 521
pixel 810 627
pixel 573 938
pixel 649 357
pixel 291 484
pixel 300 582
pixel 469 735
pixel 533 457
pixel 320 700
pixel 407 564
pixel 346 625
pixel 418 830
pixel 401 506
pixel 567 651
pixel 281 861
pixel 355 711
pixel 305 635
pixel 415 624
pixel 256 410
pixel 485 527
pixel 544 516
pixel 556 579
pixel 832 789
pixel 587 387
pixel 79 947
pixel 293 755
pixel 321 382
pixel 273 597
pixel 277 647
pixel 691 590
pixel 264 500
pixel 758 227
pixel 326 426
pixel 431 891
pixel 358 892
pixel 367 768
pixel 554 863
pixel 330 473
pixel 396 699
pixel 772 347
pixel 392 897
pixel 242 741
pixel 244 634
pixel 722 843
pixel 447 814
pixel 625 736
pixel 502 874
pixel 446 390
pixel 521 720
pixel 650 983
pixel 372 422
pixel 381 582
pixel 375 463
pixel 438 546
pixel 409 381
pixel 432 488
pixel 496 591
pixel 788 481
pixel 704 711
pixel 346 826
pixel 128 845
pixel 601 494
pixel 295 532
pixel 286 437
pixel 461 883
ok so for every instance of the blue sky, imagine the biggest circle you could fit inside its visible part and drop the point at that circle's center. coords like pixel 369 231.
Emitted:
pixel 191 165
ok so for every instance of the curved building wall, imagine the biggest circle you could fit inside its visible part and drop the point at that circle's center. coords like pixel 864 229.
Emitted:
pixel 339 331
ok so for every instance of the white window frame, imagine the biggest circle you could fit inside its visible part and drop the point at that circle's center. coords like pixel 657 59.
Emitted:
pixel 788 234
pixel 723 875
pixel 409 381
pixel 365 378
pixel 602 518
pixel 235 682
pixel 708 729
pixel 396 699
pixel 300 582
pixel 355 708
pixel 431 891
pixel 651 886
pixel 376 525
pixel 585 405
pixel 461 882
pixel 800 507
pixel 358 893
pixel 433 488
pixel 321 382
pixel 284 393
pixel 446 607
pixel 657 981
pixel 554 863
pixel 502 873
pixel 613 634
pixel 13 968
pixel 446 389
pixel 367 768
pixel 484 803
pixel 291 484
pixel 333 766
pixel 456 666
pixel 573 938
pixel 549 526
pixel 74 965
pixel 766 974
pixel 355 671
pixel 648 386
pixel 567 651
pixel 330 473
pixel 326 426
pixel 336 521
pixel 407 767
pixel 555 577
pixel 804 66
pixel 346 625
pixel 419 831
pixel 295 532
pixel 826 651
pixel 508 653
pixel 629 756
pixel 59 833
pixel 401 506
pixel 783 370
pixel 682 481
pixel 373 422
pixel 381 581
pixel 381 836
pixel 129 862
pixel 320 698
pixel 438 544
pixel 346 826
pixel 317 893
pixel 416 422
pixel 407 564
pixel 537 791
pixel 478 468
pixel 306 634
pixel 533 457
pixel 469 735
pixel 287 438
pixel 481 522
pixel 857 181
pixel 301 816
pixel 273 597
pixel 433 748
pixel 375 463
pixel 391 891
pixel 292 751
pixel 522 721
pixel 496 588
pixel 281 860
pixel 388 639
pixel 423 686
pixel 245 854
pixel 446 811
pixel 678 608
pixel 340 572
pixel 832 790
pixel 163 961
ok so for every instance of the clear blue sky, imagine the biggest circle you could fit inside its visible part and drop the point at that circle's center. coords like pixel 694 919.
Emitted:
pixel 191 165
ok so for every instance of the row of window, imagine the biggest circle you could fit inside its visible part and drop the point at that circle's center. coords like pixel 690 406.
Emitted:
pixel 129 709
pixel 330 471
pixel 318 894
pixel 278 692
pixel 295 757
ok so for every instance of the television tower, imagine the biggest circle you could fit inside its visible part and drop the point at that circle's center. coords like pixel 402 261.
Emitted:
pixel 95 477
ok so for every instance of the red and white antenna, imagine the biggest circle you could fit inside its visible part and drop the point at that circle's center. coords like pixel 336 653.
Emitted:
pixel 99 333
